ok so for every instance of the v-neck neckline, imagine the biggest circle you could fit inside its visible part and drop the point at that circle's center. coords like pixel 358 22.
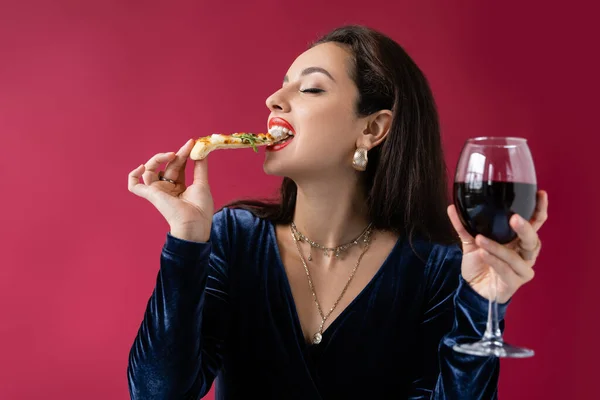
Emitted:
pixel 288 289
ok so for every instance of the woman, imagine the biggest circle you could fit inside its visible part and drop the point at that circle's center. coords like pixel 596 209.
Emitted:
pixel 354 284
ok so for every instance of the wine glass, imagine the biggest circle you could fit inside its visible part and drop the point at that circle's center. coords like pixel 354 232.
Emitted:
pixel 495 178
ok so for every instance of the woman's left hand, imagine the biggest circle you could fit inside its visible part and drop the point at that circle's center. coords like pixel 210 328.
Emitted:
pixel 513 262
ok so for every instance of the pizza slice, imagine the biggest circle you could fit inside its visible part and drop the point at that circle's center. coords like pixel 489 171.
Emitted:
pixel 205 145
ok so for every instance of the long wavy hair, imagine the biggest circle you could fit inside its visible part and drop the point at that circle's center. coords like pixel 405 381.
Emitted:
pixel 406 178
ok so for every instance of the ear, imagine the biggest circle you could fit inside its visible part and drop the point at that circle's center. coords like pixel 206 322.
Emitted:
pixel 378 127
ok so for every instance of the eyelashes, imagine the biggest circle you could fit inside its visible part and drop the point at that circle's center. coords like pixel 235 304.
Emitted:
pixel 312 90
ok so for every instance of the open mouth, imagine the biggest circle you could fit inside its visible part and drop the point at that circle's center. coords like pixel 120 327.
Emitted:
pixel 284 140
pixel 285 137
pixel 282 133
pixel 280 144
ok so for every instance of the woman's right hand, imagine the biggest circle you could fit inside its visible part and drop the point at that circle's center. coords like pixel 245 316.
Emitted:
pixel 188 210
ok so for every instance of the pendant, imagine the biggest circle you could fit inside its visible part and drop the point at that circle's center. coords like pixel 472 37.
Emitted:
pixel 309 256
pixel 317 338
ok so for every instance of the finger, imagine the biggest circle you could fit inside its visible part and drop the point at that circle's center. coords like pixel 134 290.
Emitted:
pixel 528 239
pixel 134 185
pixel 201 171
pixel 176 168
pixel 540 214
pixel 468 240
pixel 504 271
pixel 508 256
pixel 530 255
pixel 151 174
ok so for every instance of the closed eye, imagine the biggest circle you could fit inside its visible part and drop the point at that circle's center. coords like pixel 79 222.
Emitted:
pixel 312 90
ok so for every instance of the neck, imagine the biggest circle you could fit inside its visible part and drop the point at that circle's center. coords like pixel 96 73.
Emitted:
pixel 331 213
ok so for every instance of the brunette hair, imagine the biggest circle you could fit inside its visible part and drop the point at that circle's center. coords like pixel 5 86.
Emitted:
pixel 406 178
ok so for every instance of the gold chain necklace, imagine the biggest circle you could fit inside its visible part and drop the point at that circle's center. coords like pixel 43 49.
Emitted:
pixel 318 336
pixel 328 250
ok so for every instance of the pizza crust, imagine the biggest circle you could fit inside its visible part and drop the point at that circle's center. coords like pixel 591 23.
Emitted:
pixel 201 149
pixel 205 145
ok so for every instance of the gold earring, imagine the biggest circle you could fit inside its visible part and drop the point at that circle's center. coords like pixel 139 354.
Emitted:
pixel 360 159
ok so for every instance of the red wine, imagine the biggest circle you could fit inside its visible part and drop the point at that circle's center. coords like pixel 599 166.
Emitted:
pixel 485 208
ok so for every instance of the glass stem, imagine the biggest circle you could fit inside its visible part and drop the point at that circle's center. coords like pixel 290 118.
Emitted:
pixel 492 331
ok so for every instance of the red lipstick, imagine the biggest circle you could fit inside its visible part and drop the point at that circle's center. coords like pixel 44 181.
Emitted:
pixel 276 121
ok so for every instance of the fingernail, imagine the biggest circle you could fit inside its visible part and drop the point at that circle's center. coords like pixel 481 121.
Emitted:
pixel 484 241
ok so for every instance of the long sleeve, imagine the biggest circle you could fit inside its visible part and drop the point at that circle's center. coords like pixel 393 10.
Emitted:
pixel 177 351
pixel 454 313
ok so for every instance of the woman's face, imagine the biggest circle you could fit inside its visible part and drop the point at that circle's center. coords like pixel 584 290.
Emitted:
pixel 318 100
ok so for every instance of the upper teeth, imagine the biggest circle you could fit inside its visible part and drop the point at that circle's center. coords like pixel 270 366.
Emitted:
pixel 279 132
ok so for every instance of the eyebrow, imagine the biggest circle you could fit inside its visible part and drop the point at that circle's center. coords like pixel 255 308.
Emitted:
pixel 312 70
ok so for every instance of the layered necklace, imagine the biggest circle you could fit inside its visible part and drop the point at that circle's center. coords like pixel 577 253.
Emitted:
pixel 364 238
pixel 338 250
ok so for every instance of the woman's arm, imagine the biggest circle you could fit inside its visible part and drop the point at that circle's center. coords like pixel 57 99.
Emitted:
pixel 453 313
pixel 177 351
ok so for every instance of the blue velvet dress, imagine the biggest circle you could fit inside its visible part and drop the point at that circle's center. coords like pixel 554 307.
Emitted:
pixel 222 312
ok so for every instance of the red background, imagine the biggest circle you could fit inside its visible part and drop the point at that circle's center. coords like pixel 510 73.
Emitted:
pixel 89 90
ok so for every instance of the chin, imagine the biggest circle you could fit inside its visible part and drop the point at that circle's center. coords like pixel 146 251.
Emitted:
pixel 295 165
pixel 273 167
pixel 283 166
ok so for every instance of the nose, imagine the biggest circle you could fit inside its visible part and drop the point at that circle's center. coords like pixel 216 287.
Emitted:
pixel 277 102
